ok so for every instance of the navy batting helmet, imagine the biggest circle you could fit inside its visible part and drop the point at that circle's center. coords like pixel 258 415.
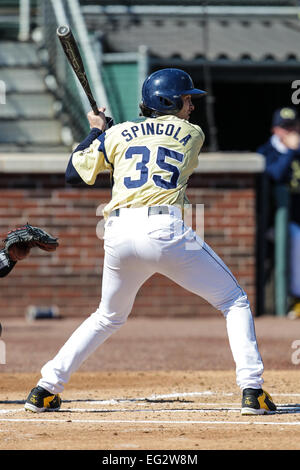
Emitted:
pixel 163 89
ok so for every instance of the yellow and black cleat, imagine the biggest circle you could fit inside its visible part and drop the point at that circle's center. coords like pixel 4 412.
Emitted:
pixel 40 400
pixel 257 402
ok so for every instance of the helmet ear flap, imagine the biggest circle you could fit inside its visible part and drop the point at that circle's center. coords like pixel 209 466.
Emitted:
pixel 165 101
pixel 174 104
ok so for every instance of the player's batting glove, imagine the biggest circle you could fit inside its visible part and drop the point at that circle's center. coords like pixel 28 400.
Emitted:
pixel 109 122
pixel 19 242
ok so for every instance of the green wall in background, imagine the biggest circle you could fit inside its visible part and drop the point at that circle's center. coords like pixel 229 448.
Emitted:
pixel 121 84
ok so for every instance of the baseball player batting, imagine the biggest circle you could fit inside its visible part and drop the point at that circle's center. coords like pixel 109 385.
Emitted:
pixel 151 161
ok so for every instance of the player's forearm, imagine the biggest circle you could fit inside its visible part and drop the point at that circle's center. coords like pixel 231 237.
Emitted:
pixel 94 133
pixel 72 176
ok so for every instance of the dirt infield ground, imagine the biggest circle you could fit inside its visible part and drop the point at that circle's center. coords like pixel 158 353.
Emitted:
pixel 156 384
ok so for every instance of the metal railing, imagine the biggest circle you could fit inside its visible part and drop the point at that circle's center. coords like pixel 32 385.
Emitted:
pixel 181 8
pixel 17 18
pixel 66 86
pixel 24 20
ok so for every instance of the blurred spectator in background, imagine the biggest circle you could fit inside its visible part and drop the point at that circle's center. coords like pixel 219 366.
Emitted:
pixel 282 154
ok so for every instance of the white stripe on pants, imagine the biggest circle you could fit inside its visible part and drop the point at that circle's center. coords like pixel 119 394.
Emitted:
pixel 136 247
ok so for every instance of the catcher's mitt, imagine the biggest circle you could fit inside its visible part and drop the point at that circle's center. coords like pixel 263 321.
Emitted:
pixel 19 242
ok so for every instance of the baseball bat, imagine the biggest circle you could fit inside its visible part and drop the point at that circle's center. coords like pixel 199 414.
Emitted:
pixel 71 50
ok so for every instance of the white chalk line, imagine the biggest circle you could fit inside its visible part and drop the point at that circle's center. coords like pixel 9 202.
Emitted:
pixel 158 422
pixel 233 408
pixel 154 397
pixel 125 410
pixel 114 401
pixel 281 409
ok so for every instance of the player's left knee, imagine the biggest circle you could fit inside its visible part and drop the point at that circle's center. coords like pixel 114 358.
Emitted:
pixel 108 321
pixel 240 301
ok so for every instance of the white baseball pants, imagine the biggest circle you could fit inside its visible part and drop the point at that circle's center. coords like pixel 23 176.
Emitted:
pixel 137 245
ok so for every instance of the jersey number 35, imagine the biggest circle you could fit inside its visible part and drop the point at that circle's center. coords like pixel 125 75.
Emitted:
pixel 141 166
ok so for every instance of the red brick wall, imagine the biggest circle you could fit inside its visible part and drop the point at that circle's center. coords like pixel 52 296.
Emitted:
pixel 71 277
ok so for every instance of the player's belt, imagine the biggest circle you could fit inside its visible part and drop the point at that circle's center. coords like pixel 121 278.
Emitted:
pixel 152 210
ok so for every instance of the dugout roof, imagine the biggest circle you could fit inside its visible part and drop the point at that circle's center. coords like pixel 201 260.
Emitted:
pixel 194 35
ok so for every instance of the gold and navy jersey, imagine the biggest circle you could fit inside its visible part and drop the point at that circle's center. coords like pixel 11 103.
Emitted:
pixel 150 161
